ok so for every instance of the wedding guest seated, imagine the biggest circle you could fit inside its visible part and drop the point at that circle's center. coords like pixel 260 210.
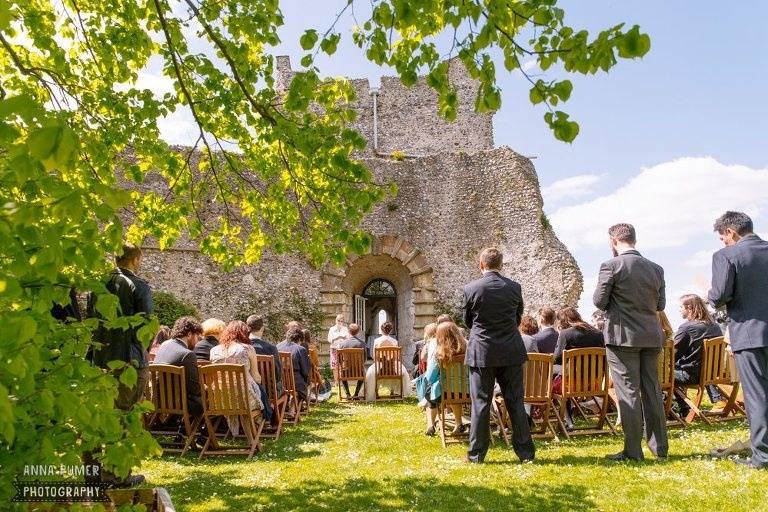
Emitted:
pixel 574 332
pixel 689 345
pixel 385 340
pixel 263 347
pixel 546 338
pixel 212 329
pixel 300 359
pixel 528 328
pixel 352 341
pixel 448 342
pixel 234 347
pixel 421 349
pixel 163 335
pixel 177 351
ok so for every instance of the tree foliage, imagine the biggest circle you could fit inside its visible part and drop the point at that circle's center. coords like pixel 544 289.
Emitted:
pixel 278 170
pixel 168 308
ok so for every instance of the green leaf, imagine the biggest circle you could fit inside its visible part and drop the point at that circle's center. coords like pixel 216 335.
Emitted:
pixel 634 44
pixel 128 376
pixel 42 142
pixel 329 44
pixel 308 39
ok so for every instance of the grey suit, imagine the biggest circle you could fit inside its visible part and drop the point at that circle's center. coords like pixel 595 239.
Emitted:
pixel 493 306
pixel 630 290
pixel 740 284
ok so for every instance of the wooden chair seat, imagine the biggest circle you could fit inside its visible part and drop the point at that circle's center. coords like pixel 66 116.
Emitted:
pixel 350 363
pixel 454 380
pixel 266 365
pixel 167 390
pixel 388 367
pixel 584 376
pixel 715 371
pixel 225 395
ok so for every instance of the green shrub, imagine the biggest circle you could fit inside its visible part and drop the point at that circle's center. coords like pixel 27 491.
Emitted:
pixel 279 312
pixel 168 308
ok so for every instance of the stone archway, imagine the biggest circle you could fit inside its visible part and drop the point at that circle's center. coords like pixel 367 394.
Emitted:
pixel 399 262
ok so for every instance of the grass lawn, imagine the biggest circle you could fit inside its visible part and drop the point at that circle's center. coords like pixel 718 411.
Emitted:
pixel 376 458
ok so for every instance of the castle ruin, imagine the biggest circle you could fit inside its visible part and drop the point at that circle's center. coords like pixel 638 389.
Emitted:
pixel 457 193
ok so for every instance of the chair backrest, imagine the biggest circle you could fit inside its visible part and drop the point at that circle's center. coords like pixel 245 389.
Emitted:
pixel 454 379
pixel 169 388
pixel 286 361
pixel 313 358
pixel 350 363
pixel 225 389
pixel 150 356
pixel 584 372
pixel 266 365
pixel 538 378
pixel 714 362
pixel 202 362
pixel 667 365
pixel 387 362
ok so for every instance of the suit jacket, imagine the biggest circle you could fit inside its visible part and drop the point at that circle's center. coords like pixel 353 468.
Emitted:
pixel 493 307
pixel 135 297
pixel 740 284
pixel 175 352
pixel 204 346
pixel 689 343
pixel 530 343
pixel 630 289
pixel 546 340
pixel 265 348
pixel 350 342
pixel 301 364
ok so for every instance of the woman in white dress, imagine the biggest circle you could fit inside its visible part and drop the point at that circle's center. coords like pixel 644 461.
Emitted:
pixel 385 340
pixel 234 348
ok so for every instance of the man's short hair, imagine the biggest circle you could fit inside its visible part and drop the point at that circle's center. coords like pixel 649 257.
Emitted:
pixel 386 328
pixel 353 329
pixel 547 315
pixel 255 322
pixel 130 253
pixel 623 233
pixel 737 221
pixel 492 258
pixel 184 326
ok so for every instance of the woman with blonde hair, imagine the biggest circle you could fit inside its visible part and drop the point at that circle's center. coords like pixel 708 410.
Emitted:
pixel 448 343
pixel 212 329
pixel 235 348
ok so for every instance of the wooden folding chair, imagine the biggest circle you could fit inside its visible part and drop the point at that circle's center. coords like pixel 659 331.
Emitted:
pixel 454 380
pixel 350 363
pixel 585 375
pixel 202 362
pixel 225 394
pixel 667 382
pixel 388 368
pixel 293 407
pixel 266 365
pixel 168 393
pixel 715 371
pixel 316 378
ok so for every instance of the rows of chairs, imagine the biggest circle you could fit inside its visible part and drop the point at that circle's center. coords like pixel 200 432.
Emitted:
pixel 224 393
pixel 350 363
pixel 585 378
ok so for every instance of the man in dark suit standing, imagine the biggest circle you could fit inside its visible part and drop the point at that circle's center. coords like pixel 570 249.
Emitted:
pixel 493 306
pixel 740 284
pixel 630 289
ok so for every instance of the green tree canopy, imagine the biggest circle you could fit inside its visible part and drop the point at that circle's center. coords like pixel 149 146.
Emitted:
pixel 280 169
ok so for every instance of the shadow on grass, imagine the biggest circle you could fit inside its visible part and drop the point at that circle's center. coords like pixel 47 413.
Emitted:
pixel 385 495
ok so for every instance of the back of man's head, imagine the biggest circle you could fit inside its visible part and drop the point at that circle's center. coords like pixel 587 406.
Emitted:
pixel 354 329
pixel 185 326
pixel 131 254
pixel 491 258
pixel 737 221
pixel 624 233
pixel 255 323
pixel 546 316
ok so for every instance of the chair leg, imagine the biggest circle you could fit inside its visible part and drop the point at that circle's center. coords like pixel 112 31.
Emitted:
pixel 561 416
pixel 442 423
pixel 211 435
pixel 191 434
pixel 603 419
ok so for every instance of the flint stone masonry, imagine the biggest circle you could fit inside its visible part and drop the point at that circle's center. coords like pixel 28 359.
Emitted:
pixel 462 195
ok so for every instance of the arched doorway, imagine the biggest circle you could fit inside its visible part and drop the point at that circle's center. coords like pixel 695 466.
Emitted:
pixel 379 305
pixel 394 260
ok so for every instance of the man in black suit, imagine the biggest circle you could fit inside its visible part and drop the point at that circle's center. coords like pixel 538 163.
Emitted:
pixel 630 289
pixel 300 360
pixel 740 284
pixel 493 306
pixel 546 338
pixel 263 347
pixel 177 351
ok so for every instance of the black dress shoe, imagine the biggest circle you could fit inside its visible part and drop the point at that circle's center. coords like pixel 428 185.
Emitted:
pixel 620 457
pixel 430 431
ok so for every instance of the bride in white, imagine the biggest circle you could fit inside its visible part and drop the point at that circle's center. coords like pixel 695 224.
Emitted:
pixel 385 340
